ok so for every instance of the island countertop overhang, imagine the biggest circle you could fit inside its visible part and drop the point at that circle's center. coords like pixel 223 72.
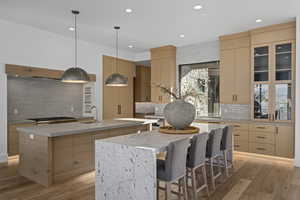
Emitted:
pixel 56 130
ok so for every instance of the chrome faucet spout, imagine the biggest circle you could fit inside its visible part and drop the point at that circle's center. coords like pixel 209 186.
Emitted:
pixel 95 107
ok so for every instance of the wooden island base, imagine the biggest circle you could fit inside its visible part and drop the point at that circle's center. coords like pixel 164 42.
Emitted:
pixel 48 160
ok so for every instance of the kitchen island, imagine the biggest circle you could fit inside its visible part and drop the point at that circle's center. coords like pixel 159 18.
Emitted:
pixel 126 165
pixel 54 152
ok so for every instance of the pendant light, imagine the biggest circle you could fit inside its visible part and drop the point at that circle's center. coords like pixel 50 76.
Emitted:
pixel 75 74
pixel 116 79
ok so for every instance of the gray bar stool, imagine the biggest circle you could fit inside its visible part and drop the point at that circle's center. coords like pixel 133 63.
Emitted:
pixel 195 160
pixel 173 168
pixel 213 153
pixel 226 146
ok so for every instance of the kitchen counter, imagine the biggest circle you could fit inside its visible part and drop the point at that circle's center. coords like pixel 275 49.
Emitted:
pixel 63 129
pixel 51 153
pixel 249 121
pixel 126 165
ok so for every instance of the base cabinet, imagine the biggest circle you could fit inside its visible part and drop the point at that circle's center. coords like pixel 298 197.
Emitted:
pixel 267 139
pixel 48 160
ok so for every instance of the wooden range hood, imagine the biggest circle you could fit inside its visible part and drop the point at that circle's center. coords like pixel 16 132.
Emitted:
pixel 25 71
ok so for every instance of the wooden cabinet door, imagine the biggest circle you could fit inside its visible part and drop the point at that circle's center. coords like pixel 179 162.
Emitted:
pixel 125 94
pixel 168 69
pixel 109 93
pixel 242 76
pixel 155 80
pixel 285 141
pixel 227 76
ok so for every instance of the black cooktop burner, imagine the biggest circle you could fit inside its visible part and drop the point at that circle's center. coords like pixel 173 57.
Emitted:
pixel 52 119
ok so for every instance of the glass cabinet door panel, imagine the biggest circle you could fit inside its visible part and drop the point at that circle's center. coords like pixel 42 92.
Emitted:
pixel 283 101
pixel 261 101
pixel 261 63
pixel 284 61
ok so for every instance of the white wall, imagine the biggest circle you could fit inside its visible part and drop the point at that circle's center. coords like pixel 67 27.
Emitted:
pixel 25 45
pixel 297 120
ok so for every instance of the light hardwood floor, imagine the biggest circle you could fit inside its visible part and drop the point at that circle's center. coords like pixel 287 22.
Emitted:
pixel 254 177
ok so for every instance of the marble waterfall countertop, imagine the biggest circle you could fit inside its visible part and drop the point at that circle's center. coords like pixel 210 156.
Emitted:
pixel 155 140
pixel 126 165
pixel 54 130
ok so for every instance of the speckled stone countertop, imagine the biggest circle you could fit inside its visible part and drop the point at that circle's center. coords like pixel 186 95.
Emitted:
pixel 249 121
pixel 54 130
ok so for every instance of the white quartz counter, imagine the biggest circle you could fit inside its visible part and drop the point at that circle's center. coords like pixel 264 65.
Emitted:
pixel 54 130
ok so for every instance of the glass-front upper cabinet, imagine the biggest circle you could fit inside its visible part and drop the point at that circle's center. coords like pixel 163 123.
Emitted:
pixel 261 101
pixel 283 102
pixel 261 63
pixel 283 61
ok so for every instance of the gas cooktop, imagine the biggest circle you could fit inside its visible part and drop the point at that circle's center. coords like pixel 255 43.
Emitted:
pixel 53 119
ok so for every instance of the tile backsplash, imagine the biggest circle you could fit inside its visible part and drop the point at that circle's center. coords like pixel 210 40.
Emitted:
pixel 236 111
pixel 37 97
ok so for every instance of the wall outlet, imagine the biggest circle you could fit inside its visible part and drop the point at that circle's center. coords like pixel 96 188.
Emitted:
pixel 72 108
pixel 16 111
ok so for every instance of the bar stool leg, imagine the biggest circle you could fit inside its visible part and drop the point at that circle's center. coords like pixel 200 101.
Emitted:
pixel 184 188
pixel 205 178
pixel 194 184
pixel 226 163
pixel 180 185
pixel 212 173
pixel 157 190
pixel 168 190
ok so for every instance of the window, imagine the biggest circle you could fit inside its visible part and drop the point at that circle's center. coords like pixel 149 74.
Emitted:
pixel 204 79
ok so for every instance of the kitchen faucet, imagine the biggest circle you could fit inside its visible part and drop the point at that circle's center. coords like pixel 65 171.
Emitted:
pixel 95 107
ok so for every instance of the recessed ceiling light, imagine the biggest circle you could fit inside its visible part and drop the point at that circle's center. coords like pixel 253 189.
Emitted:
pixel 197 7
pixel 181 36
pixel 71 28
pixel 130 46
pixel 258 20
pixel 128 10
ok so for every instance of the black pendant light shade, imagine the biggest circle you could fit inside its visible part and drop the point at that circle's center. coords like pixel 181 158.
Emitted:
pixel 75 74
pixel 116 79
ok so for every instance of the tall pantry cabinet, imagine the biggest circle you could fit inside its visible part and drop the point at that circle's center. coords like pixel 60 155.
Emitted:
pixel 118 101
pixel 163 72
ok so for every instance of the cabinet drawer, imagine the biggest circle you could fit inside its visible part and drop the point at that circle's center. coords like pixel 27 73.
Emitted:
pixel 82 139
pixel 241 146
pixel 262 128
pixel 62 142
pixel 237 126
pixel 262 137
pixel 240 135
pixel 267 149
pixel 82 160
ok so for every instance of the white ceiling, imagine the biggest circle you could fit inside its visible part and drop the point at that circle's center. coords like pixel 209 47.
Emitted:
pixel 153 23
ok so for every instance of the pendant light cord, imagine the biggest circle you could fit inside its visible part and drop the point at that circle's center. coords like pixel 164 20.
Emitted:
pixel 75 40
pixel 117 48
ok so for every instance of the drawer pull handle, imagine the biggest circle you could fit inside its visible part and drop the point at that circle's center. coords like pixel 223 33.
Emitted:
pixel 260 137
pixel 260 127
pixel 236 135
pixel 76 162
pixel 237 126
pixel 261 149
pixel 236 145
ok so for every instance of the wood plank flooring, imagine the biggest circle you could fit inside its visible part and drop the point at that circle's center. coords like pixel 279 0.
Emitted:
pixel 254 178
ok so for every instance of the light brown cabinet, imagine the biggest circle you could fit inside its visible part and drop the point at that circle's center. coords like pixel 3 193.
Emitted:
pixel 13 138
pixel 235 69
pixel 142 84
pixel 163 72
pixel 285 141
pixel 118 101
pixel 47 160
